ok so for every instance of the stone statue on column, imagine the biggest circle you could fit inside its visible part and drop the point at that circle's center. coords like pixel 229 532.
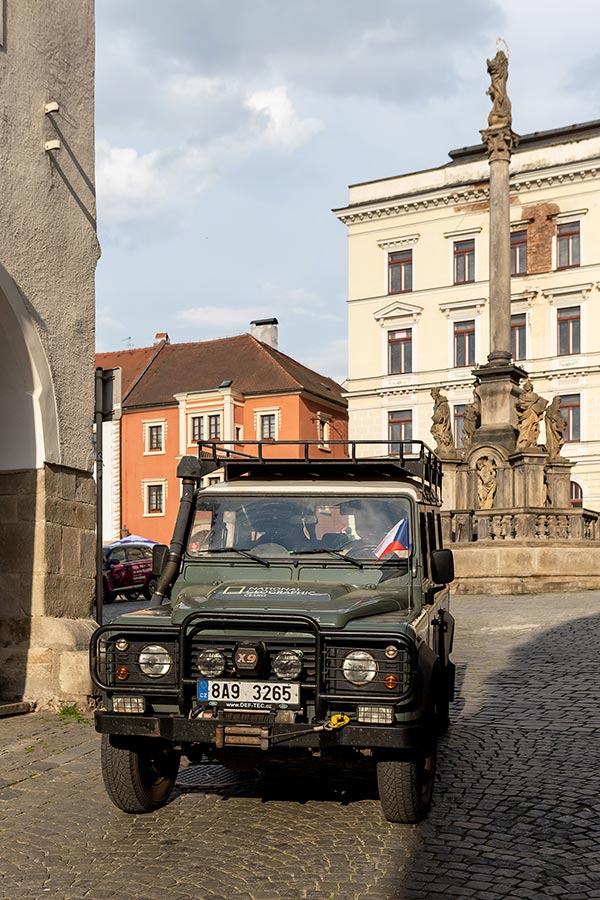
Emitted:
pixel 499 135
pixel 555 429
pixel 530 409
pixel 441 427
pixel 471 420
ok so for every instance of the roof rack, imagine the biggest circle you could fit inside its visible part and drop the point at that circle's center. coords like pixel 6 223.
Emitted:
pixel 272 460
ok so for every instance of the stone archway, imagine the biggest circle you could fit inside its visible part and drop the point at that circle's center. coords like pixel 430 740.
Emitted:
pixel 46 525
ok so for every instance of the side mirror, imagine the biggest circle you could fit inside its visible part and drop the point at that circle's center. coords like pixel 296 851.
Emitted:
pixel 442 566
pixel 160 553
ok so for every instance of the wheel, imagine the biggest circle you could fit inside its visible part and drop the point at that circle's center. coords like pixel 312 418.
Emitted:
pixel 406 786
pixel 138 780
pixel 149 587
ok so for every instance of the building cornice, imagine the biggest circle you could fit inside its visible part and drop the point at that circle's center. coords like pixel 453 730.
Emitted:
pixel 421 201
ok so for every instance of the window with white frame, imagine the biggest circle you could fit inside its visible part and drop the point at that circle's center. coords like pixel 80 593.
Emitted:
pixel 400 427
pixel 154 498
pixel 400 272
pixel 464 261
pixel 268 427
pixel 518 252
pixel 575 494
pixel 568 330
pixel 464 343
pixel 196 429
pixel 518 335
pixel 267 423
pixel 214 427
pixel 323 430
pixel 570 406
pixel 400 345
pixel 459 422
pixel 154 437
pixel 568 245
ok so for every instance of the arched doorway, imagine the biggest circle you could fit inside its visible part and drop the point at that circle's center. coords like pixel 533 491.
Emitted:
pixel 28 438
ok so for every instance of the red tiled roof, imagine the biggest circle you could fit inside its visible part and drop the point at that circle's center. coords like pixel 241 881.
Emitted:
pixel 131 362
pixel 252 366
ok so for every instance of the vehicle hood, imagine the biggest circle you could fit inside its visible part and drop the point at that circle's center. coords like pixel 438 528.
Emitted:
pixel 331 605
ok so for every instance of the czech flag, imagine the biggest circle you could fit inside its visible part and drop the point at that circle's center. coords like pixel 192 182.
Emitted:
pixel 397 538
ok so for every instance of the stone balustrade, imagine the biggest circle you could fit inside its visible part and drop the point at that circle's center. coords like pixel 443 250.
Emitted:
pixel 531 525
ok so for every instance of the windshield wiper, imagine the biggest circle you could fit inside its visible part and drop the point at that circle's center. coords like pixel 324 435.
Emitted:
pixel 241 551
pixel 336 553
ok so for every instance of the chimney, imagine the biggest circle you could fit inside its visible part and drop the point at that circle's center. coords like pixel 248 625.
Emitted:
pixel 161 336
pixel 265 330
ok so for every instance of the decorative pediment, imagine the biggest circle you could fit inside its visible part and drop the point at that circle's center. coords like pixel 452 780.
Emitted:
pixel 583 290
pixel 398 243
pixel 474 305
pixel 398 312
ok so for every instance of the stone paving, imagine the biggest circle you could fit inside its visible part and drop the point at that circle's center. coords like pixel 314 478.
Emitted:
pixel 516 811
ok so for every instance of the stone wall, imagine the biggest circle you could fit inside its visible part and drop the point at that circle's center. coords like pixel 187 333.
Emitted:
pixel 47 564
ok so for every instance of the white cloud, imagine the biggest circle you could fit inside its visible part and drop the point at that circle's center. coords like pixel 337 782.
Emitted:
pixel 283 126
pixel 144 186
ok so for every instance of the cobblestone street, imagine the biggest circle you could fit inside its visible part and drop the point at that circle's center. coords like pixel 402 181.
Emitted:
pixel 516 812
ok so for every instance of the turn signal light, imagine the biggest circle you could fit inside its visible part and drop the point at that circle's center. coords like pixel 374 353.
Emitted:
pixel 391 681
pixel 122 673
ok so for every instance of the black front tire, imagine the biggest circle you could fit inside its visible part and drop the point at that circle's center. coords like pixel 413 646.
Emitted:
pixel 138 780
pixel 406 786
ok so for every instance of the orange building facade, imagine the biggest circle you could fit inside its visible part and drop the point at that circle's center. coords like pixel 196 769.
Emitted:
pixel 234 390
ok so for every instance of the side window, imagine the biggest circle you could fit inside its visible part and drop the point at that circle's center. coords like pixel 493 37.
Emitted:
pixel 431 531
pixel 424 544
pixel 438 523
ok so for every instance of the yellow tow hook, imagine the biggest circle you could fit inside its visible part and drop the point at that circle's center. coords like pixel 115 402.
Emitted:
pixel 337 721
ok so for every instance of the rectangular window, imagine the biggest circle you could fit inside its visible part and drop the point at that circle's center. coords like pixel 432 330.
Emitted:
pixel 567 245
pixel 518 326
pixel 155 499
pixel 267 427
pixel 570 408
pixel 518 253
pixel 214 428
pixel 155 437
pixel 323 430
pixel 399 428
pixel 464 261
pixel 400 272
pixel 197 428
pixel 569 330
pixel 464 343
pixel 459 421
pixel 400 351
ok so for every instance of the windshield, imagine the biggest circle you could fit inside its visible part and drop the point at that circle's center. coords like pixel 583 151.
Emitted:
pixel 362 529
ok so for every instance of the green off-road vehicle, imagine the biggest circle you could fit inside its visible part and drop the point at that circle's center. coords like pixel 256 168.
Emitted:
pixel 301 609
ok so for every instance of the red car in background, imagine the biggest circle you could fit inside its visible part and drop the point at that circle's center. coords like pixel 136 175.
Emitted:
pixel 127 570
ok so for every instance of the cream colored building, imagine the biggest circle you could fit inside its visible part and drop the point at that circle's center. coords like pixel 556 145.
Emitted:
pixel 418 307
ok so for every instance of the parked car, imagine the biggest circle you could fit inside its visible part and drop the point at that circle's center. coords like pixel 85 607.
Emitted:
pixel 302 609
pixel 127 570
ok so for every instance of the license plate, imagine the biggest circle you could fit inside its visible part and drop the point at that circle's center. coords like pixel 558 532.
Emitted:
pixel 249 694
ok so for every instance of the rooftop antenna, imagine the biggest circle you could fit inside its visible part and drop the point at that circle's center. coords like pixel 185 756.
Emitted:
pixel 128 341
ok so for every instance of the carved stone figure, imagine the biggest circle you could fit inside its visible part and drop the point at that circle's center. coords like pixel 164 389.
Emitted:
pixel 486 481
pixel 555 429
pixel 471 420
pixel 441 428
pixel 530 408
pixel 501 113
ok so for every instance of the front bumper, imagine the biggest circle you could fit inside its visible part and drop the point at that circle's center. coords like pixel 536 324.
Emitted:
pixel 180 730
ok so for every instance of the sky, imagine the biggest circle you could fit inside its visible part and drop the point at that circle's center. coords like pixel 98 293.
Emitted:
pixel 227 131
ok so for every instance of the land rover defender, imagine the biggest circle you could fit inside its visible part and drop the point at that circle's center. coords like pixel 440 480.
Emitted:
pixel 301 608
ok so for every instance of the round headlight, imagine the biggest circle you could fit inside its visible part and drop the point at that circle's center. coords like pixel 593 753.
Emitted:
pixel 211 662
pixel 359 667
pixel 288 664
pixel 155 661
